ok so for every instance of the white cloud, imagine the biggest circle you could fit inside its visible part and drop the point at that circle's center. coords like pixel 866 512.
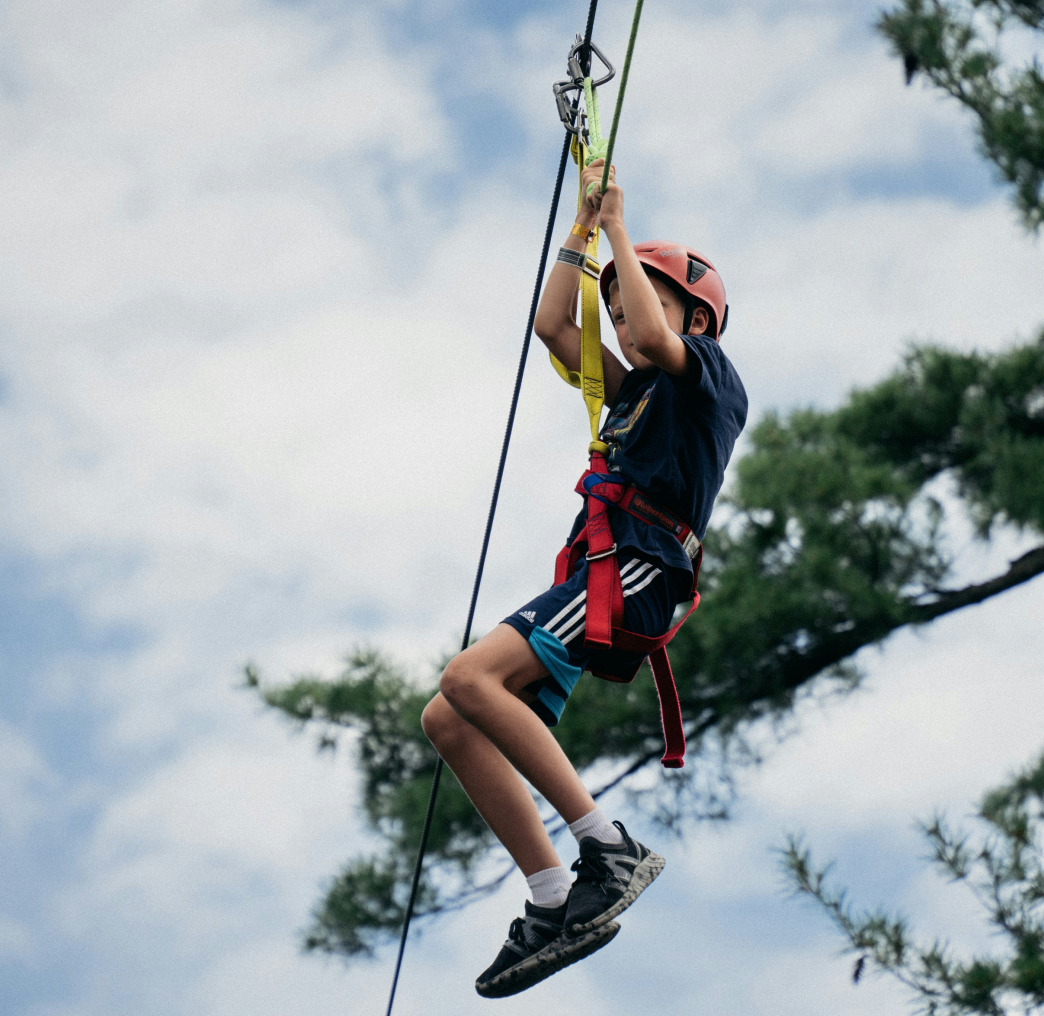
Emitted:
pixel 263 979
pixel 24 780
pixel 218 855
pixel 15 940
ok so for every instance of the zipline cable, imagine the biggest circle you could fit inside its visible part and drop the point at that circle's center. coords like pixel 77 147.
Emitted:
pixel 496 492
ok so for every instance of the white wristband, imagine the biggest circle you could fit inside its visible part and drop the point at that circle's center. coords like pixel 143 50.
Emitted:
pixel 576 258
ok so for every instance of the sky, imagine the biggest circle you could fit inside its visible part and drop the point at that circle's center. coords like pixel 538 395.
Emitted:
pixel 265 273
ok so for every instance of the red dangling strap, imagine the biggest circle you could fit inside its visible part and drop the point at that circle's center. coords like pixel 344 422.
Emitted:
pixel 670 710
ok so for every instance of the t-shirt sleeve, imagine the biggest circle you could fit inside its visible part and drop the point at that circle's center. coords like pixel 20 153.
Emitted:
pixel 705 370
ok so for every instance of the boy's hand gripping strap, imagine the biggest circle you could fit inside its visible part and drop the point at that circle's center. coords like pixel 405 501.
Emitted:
pixel 590 378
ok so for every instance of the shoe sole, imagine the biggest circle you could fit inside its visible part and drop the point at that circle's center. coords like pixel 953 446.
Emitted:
pixel 644 874
pixel 557 955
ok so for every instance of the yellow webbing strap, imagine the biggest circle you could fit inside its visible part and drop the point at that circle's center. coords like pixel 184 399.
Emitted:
pixel 589 379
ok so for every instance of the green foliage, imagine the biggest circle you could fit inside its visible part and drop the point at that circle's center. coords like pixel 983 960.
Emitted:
pixel 1004 869
pixel 955 44
pixel 831 541
pixel 981 417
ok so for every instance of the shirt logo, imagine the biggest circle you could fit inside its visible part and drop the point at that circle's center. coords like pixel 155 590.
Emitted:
pixel 529 615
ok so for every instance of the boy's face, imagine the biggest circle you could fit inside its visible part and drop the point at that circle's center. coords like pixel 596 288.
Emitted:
pixel 673 310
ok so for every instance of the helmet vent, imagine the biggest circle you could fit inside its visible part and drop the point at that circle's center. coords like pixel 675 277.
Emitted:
pixel 696 270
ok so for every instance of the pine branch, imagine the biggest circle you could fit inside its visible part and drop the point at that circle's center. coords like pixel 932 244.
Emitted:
pixel 1002 868
pixel 788 670
pixel 1022 569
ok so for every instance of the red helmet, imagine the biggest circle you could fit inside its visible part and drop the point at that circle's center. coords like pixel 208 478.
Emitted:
pixel 687 272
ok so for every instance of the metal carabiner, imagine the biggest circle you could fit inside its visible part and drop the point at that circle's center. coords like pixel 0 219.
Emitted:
pixel 574 62
pixel 569 111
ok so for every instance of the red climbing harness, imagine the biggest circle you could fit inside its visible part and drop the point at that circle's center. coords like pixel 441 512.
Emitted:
pixel 605 602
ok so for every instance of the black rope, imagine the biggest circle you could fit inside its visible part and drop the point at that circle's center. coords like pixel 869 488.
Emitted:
pixel 492 506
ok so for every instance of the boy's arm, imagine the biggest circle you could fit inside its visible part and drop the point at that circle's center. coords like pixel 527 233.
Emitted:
pixel 555 322
pixel 646 322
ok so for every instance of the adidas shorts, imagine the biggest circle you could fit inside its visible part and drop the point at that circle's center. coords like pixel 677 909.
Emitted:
pixel 553 624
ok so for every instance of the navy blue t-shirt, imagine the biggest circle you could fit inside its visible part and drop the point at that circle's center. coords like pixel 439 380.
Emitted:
pixel 671 436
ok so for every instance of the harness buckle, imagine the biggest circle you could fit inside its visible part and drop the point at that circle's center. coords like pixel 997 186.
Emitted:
pixel 691 546
pixel 598 557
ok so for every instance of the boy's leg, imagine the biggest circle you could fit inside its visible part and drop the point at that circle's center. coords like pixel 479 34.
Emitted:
pixel 493 785
pixel 487 734
pixel 483 728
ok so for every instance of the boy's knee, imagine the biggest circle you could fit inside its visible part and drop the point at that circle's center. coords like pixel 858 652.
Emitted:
pixel 443 727
pixel 457 683
pixel 437 720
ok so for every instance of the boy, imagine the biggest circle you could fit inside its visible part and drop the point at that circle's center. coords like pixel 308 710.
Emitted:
pixel 673 421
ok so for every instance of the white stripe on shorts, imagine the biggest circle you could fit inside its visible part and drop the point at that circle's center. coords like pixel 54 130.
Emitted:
pixel 641 585
pixel 627 567
pixel 568 624
pixel 636 574
pixel 565 639
pixel 565 610
pixel 573 625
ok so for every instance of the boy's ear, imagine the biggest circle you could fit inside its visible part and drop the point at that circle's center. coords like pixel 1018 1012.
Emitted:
pixel 700 321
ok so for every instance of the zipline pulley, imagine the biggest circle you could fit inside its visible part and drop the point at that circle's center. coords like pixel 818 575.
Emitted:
pixel 579 66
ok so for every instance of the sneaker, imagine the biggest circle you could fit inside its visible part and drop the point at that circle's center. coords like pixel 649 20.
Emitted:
pixel 609 877
pixel 536 949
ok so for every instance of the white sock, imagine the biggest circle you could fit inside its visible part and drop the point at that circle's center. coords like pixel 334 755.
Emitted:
pixel 595 824
pixel 549 887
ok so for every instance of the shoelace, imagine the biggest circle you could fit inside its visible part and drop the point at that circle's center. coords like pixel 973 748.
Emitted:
pixel 592 868
pixel 517 931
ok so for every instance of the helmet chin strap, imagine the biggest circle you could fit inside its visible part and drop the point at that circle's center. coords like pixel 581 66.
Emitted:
pixel 690 309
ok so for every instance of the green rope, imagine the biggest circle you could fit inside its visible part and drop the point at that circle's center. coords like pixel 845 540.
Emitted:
pixel 596 143
pixel 620 94
pixel 599 148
